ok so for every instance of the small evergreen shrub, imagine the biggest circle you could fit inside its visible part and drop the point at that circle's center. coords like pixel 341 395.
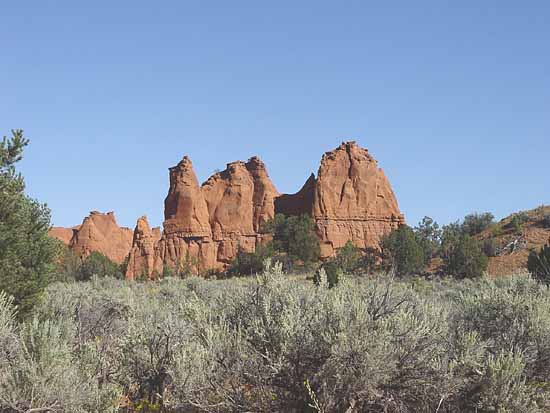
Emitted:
pixel 546 221
pixel 517 221
pixel 538 264
pixel 402 252
pixel 490 247
pixel 333 273
pixel 429 236
pixel 294 236
pixel 466 259
pixel 97 264
pixel 250 263
pixel 476 223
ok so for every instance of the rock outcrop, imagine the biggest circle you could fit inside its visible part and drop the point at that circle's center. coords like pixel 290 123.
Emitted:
pixel 240 200
pixel 65 235
pixel 142 256
pixel 353 200
pixel 98 232
pixel 187 236
pixel 350 200
pixel 204 227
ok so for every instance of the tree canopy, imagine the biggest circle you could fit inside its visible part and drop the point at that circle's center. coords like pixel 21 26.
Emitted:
pixel 27 253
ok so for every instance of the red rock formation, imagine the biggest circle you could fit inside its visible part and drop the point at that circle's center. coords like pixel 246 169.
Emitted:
pixel 185 210
pixel 204 227
pixel 65 235
pixel 142 256
pixel 299 203
pixel 353 200
pixel 98 232
pixel 240 200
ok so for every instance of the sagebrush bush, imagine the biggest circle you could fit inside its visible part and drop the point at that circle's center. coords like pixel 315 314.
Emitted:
pixel 273 344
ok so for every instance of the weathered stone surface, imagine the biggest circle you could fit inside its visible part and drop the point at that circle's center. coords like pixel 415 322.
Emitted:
pixel 353 200
pixel 141 259
pixel 299 203
pixel 185 210
pixel 98 232
pixel 205 226
pixel 240 200
pixel 187 237
pixel 65 235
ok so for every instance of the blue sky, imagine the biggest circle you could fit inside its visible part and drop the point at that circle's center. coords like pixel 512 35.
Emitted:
pixel 452 98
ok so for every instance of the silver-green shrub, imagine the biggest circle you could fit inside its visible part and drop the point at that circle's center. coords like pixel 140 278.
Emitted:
pixel 274 344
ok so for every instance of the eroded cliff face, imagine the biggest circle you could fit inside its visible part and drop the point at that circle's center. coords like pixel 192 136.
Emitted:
pixel 204 226
pixel 144 251
pixel 353 200
pixel 98 232
pixel 240 200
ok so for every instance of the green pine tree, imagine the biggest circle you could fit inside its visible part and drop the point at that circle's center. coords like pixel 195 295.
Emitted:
pixel 27 253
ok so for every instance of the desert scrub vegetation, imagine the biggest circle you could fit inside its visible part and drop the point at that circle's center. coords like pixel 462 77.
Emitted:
pixel 368 344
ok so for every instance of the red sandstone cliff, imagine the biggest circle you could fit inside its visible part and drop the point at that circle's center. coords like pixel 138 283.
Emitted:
pixel 351 199
pixel 204 227
pixel 98 232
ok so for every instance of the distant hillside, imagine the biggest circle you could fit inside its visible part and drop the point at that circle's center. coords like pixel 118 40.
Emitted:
pixel 514 236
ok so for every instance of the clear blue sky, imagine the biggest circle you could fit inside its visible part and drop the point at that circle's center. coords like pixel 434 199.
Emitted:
pixel 452 97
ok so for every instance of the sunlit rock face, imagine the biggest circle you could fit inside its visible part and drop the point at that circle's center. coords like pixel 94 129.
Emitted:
pixel 98 232
pixel 353 200
pixel 205 225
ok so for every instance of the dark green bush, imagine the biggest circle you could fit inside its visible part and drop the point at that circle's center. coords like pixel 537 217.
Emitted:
pixel 429 236
pixel 27 253
pixel 250 263
pixel 295 236
pixel 546 221
pixel 538 264
pixel 517 221
pixel 348 258
pixel 465 258
pixel 403 252
pixel 332 272
pixel 450 235
pixel 97 264
pixel 490 247
pixel 67 265
pixel 476 223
